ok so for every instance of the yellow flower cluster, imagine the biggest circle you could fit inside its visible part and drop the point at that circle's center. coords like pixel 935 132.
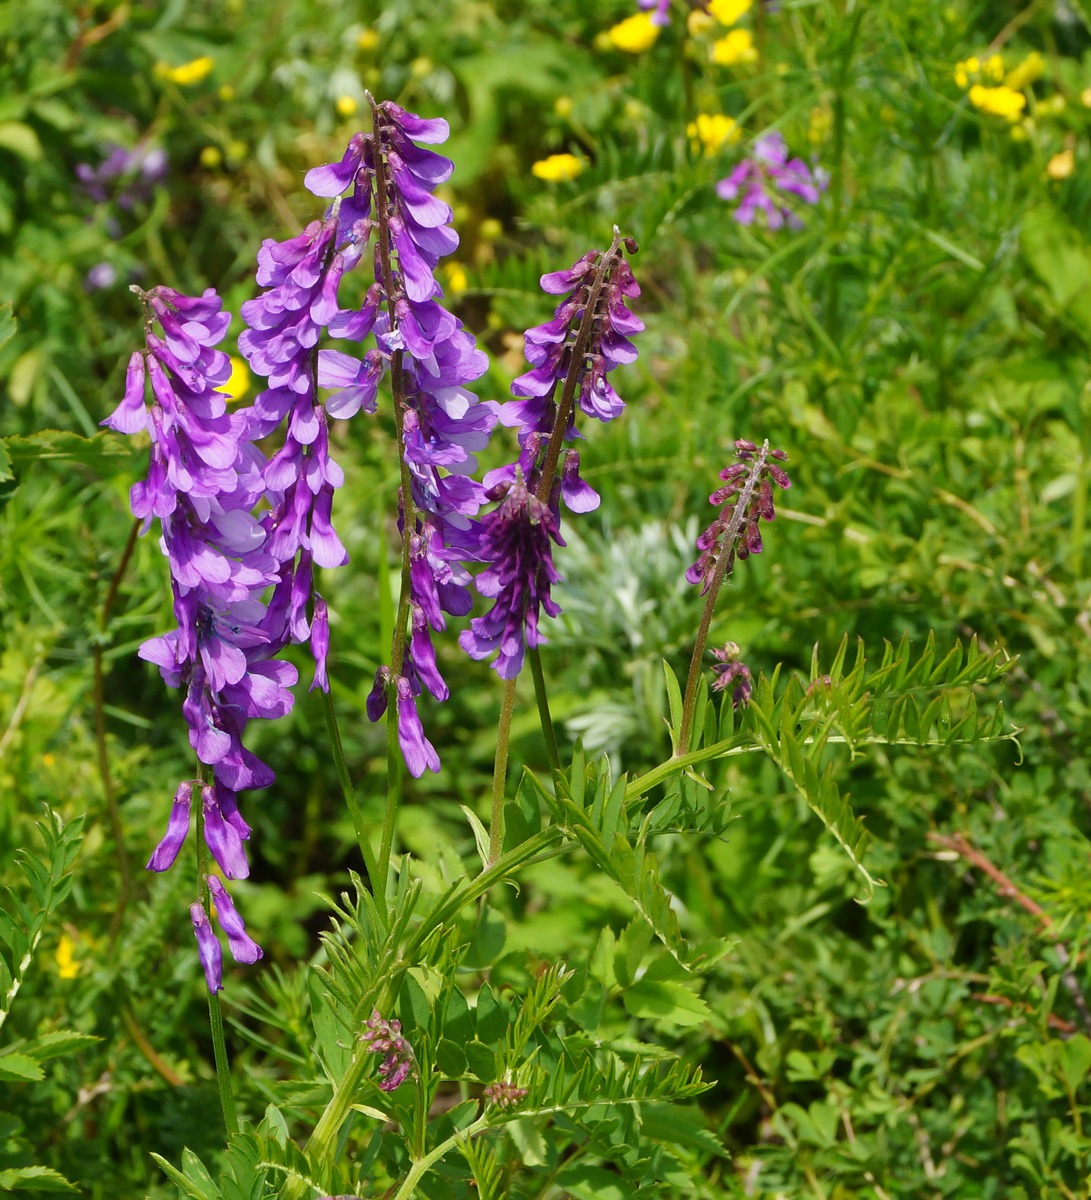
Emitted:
pixel 999 101
pixel 557 168
pixel 727 12
pixel 1061 165
pixel 635 34
pixel 973 69
pixel 187 73
pixel 736 48
pixel 1029 70
pixel 710 131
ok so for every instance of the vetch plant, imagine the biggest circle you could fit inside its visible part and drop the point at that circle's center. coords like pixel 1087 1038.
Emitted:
pixel 408 1076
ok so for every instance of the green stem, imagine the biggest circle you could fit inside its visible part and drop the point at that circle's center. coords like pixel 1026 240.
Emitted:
pixel 215 1015
pixel 500 771
pixel 349 793
pixel 724 564
pixel 397 385
pixel 545 486
pixel 110 796
pixel 324 1136
pixel 423 1165
pixel 543 707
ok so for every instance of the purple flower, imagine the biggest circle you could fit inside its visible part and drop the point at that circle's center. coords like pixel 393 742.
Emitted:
pixel 208 947
pixel 504 1094
pixel 760 181
pixel 747 496
pixel 517 544
pixel 125 176
pixel 728 671
pixel 662 15
pixel 385 1037
pixel 390 181
pixel 101 275
pixel 243 947
pixel 205 478
pixel 570 357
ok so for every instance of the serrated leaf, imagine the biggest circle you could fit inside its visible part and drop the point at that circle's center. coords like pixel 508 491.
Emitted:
pixel 680 1125
pixel 19 1068
pixel 57 445
pixel 63 1041
pixel 34 1179
pixel 659 1000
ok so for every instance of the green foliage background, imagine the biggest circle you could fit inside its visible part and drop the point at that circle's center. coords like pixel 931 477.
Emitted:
pixel 920 350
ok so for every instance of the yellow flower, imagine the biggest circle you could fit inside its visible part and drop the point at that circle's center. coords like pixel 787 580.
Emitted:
pixel 999 101
pixel 490 229
pixel 713 130
pixel 238 383
pixel 67 967
pixel 635 34
pixel 420 67
pixel 961 78
pixel 457 279
pixel 48 759
pixel 1061 165
pixel 557 168
pixel 994 66
pixel 737 47
pixel 191 72
pixel 226 92
pixel 211 157
pixel 346 105
pixel 973 65
pixel 727 12
pixel 698 21
pixel 368 39
pixel 562 106
pixel 1026 72
pixel 818 126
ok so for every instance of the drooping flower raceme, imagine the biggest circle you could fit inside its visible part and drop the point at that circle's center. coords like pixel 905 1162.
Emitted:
pixel 385 183
pixel 205 476
pixel 300 277
pixel 746 497
pixel 385 1037
pixel 764 180
pixel 570 357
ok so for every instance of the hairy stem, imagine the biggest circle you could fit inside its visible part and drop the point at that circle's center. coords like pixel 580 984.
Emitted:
pixel 575 369
pixel 500 771
pixel 349 792
pixel 397 384
pixel 724 563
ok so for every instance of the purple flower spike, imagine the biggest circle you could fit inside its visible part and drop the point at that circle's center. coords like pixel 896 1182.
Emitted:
pixel 385 1037
pixel 243 947
pixel 208 947
pixel 570 357
pixel 747 497
pixel 758 181
pixel 204 481
pixel 384 186
pixel 728 671
pixel 419 753
pixel 517 541
pixel 177 828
